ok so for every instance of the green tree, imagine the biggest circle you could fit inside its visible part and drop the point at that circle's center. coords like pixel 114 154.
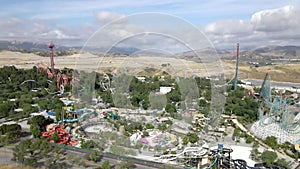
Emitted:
pixel 193 137
pixel 40 121
pixel 185 140
pixel 169 122
pixel 249 139
pixel 283 163
pixel 170 108
pixel 269 157
pixel 94 156
pixel 31 162
pixel 272 142
pixel 162 127
pixel 149 126
pixel 55 137
pixel 35 130
pixel 90 144
pixel 38 124
pixel 105 165
pixel 127 165
pixel 10 128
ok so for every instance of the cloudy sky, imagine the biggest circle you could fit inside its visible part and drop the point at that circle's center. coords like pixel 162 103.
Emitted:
pixel 222 22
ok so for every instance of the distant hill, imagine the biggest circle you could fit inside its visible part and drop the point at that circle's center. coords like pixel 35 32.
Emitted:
pixel 37 48
pixel 28 46
pixel 260 54
pixel 41 48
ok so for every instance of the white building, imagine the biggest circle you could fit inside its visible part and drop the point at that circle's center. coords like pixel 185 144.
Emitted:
pixel 164 89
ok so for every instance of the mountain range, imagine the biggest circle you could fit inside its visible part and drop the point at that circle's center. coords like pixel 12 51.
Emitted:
pixel 262 53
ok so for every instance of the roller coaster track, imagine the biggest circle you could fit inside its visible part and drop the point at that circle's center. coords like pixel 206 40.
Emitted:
pixel 194 151
pixel 28 81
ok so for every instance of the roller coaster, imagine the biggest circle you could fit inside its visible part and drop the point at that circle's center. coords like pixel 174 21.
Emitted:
pixel 34 86
pixel 192 157
pixel 278 109
pixel 219 157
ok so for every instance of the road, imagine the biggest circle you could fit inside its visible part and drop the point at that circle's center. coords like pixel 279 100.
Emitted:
pixel 6 155
pixel 258 83
pixel 103 158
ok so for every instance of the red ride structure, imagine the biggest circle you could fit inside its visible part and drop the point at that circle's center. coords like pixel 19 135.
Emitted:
pixel 62 79
pixel 64 136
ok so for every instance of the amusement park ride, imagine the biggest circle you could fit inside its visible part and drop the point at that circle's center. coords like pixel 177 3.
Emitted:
pixel 206 158
pixel 62 79
pixel 278 109
pixel 278 115
pixel 63 136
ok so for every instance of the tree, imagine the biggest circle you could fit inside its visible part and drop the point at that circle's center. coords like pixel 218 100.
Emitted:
pixel 249 139
pixel 145 134
pixel 193 137
pixel 272 142
pixel 10 128
pixel 38 124
pixel 35 130
pixel 88 144
pixel 185 140
pixel 269 157
pixel 94 156
pixel 149 126
pixel 169 122
pixel 127 165
pixel 40 121
pixel 202 103
pixel 31 162
pixel 105 165
pixel 283 163
pixel 5 108
pixel 55 137
pixel 170 108
pixel 162 127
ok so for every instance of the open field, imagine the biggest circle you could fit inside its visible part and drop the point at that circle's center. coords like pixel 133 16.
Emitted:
pixel 141 65
pixel 149 65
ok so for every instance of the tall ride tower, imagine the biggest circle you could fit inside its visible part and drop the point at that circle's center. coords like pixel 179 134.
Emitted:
pixel 236 66
pixel 51 46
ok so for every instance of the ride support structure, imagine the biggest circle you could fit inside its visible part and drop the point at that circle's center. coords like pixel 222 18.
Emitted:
pixel 236 66
pixel 277 109
pixel 51 46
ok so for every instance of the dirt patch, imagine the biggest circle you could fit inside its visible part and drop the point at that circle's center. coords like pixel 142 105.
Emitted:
pixel 138 65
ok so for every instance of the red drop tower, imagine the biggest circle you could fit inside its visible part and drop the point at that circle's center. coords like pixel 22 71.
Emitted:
pixel 51 46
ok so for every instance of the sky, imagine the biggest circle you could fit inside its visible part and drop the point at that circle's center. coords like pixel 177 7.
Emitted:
pixel 221 23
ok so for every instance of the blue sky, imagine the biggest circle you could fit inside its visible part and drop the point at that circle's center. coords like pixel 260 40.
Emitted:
pixel 195 11
pixel 66 19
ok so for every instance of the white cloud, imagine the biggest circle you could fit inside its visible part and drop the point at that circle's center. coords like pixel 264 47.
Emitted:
pixel 269 27
pixel 276 19
pixel 35 30
pixel 234 27
pixel 104 17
